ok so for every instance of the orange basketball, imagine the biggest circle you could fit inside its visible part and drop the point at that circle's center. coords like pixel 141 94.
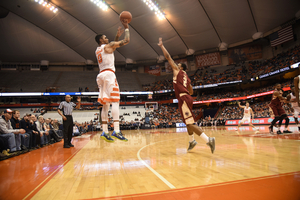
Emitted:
pixel 126 15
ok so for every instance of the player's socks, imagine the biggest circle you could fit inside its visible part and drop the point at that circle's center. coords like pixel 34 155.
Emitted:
pixel 204 137
pixel 117 127
pixel 105 128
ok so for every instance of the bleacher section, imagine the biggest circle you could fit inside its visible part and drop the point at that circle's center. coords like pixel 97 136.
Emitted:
pixel 130 110
pixel 23 111
pixel 66 81
pixel 28 81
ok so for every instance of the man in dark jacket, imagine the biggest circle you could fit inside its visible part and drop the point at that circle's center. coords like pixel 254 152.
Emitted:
pixel 25 124
pixel 24 139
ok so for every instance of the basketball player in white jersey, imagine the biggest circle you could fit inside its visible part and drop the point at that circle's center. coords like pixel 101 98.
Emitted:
pixel 247 116
pixel 107 82
pixel 295 108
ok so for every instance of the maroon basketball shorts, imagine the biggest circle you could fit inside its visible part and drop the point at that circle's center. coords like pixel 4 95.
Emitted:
pixel 185 106
pixel 277 110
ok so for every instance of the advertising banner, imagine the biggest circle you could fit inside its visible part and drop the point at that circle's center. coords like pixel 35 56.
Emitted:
pixel 154 70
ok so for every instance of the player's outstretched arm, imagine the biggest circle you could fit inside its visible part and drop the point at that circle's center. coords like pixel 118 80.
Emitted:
pixel 167 55
pixel 239 103
pixel 296 85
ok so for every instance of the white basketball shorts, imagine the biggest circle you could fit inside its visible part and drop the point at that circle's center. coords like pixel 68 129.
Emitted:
pixel 248 119
pixel 108 87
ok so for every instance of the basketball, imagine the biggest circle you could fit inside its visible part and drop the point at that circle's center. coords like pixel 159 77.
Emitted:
pixel 126 15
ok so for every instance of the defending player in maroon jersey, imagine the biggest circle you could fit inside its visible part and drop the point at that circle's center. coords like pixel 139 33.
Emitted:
pixel 183 92
pixel 276 106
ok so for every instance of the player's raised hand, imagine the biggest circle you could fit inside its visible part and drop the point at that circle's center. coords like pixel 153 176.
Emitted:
pixel 160 43
pixel 78 99
pixel 125 23
pixel 120 31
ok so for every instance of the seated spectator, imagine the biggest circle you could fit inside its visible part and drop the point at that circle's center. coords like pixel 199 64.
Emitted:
pixel 56 127
pixel 8 133
pixel 75 131
pixel 25 124
pixel 24 138
pixel 33 127
pixel 43 132
pixel 54 137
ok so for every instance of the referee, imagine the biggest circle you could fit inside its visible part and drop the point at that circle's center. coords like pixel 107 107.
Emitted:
pixel 67 108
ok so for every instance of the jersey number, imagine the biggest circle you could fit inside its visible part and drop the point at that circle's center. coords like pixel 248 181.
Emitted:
pixel 184 80
pixel 99 56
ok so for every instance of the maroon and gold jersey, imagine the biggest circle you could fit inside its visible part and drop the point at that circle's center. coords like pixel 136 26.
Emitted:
pixel 181 83
pixel 275 100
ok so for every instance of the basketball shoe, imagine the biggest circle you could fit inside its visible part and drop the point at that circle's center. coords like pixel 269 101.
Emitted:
pixel 192 145
pixel 211 144
pixel 271 129
pixel 106 137
pixel 119 136
pixel 287 131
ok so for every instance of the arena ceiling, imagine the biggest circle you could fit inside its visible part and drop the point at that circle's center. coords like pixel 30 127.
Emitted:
pixel 31 32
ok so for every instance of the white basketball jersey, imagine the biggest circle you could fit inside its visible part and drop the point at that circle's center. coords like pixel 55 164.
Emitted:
pixel 247 112
pixel 105 60
pixel 294 104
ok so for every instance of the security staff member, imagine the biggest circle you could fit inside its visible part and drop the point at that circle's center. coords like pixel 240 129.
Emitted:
pixel 67 108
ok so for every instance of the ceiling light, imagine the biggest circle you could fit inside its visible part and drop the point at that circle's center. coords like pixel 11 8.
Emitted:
pixel 47 4
pixel 101 4
pixel 155 7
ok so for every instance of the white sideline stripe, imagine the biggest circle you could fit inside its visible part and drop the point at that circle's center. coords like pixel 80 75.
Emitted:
pixel 152 170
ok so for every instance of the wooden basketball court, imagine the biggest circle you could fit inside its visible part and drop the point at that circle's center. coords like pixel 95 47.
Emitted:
pixel 155 164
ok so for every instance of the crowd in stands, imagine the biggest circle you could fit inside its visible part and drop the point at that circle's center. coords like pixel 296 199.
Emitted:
pixel 208 121
pixel 21 135
pixel 282 60
pixel 260 109
pixel 239 71
pixel 230 94
pixel 206 77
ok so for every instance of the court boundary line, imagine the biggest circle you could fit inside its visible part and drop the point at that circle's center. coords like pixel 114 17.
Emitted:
pixel 151 169
pixel 52 174
pixel 45 181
